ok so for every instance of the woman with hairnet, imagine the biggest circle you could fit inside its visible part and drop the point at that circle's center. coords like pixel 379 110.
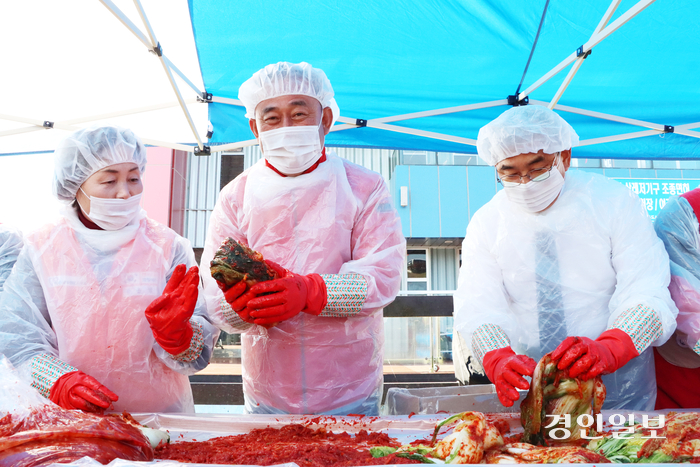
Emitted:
pixel 562 262
pixel 99 310
pixel 332 228
pixel 678 360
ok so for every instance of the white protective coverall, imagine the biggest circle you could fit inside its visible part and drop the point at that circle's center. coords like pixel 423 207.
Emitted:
pixel 80 295
pixel 609 261
pixel 337 219
pixel 10 246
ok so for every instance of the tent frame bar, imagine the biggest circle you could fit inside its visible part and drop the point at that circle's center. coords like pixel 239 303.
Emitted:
pixel 226 100
pixel 38 125
pixel 349 124
pixel 601 32
pixel 231 146
pixel 121 113
pixel 140 36
pixel 595 39
pixel 182 75
pixel 127 22
pixel 622 137
pixel 579 61
pixel 432 113
pixel 423 133
pixel 156 46
pixel 603 116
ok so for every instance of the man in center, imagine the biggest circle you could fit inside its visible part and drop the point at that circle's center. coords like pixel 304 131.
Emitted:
pixel 312 340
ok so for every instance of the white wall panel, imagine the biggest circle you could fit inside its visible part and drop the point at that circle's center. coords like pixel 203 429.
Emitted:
pixel 203 179
pixel 444 268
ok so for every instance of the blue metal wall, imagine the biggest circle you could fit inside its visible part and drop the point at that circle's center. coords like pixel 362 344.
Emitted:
pixel 443 198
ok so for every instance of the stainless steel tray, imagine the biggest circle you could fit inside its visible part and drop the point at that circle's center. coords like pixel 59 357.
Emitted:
pixel 452 399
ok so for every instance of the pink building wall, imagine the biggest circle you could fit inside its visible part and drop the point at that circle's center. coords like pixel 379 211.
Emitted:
pixel 178 191
pixel 157 183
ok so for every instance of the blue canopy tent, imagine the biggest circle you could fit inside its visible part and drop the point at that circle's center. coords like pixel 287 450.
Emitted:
pixel 412 74
pixel 428 74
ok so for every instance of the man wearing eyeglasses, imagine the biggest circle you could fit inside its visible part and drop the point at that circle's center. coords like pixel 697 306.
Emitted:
pixel 561 262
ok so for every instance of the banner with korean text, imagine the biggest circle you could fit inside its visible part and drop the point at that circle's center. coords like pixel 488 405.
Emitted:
pixel 655 192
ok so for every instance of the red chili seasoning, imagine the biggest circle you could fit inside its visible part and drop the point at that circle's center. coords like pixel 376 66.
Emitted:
pixel 424 441
pixel 292 443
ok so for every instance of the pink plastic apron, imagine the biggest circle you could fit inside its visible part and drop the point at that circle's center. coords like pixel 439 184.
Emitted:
pixel 96 302
pixel 309 364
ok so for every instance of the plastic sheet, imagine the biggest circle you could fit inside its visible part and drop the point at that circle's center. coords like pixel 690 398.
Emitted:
pixel 87 462
pixel 10 245
pixel 80 295
pixel 184 427
pixel 36 432
pixel 677 226
pixel 338 219
pixel 17 397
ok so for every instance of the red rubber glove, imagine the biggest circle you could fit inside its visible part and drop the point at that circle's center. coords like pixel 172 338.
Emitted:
pixel 76 390
pixel 586 358
pixel 169 315
pixel 283 298
pixel 506 369
pixel 237 296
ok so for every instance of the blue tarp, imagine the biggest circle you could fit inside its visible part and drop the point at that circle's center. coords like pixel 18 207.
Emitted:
pixel 394 57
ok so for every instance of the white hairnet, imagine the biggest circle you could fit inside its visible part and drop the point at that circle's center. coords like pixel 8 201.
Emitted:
pixel 283 79
pixel 522 130
pixel 88 150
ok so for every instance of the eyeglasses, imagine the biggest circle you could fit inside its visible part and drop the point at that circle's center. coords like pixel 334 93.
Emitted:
pixel 535 175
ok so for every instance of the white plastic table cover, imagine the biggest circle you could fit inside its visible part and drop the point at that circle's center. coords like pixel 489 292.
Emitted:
pixel 200 427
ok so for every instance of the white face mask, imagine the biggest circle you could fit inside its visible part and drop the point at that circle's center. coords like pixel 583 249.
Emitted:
pixel 291 149
pixel 112 213
pixel 536 196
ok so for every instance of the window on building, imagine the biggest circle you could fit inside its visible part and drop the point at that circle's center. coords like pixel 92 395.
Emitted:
pixel 439 158
pixel 586 163
pixel 665 164
pixel 417 269
pixel 417 158
pixel 206 176
pixel 455 158
pixel 688 165
pixel 446 158
pixel 434 270
pixel 633 164
pixel 625 164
